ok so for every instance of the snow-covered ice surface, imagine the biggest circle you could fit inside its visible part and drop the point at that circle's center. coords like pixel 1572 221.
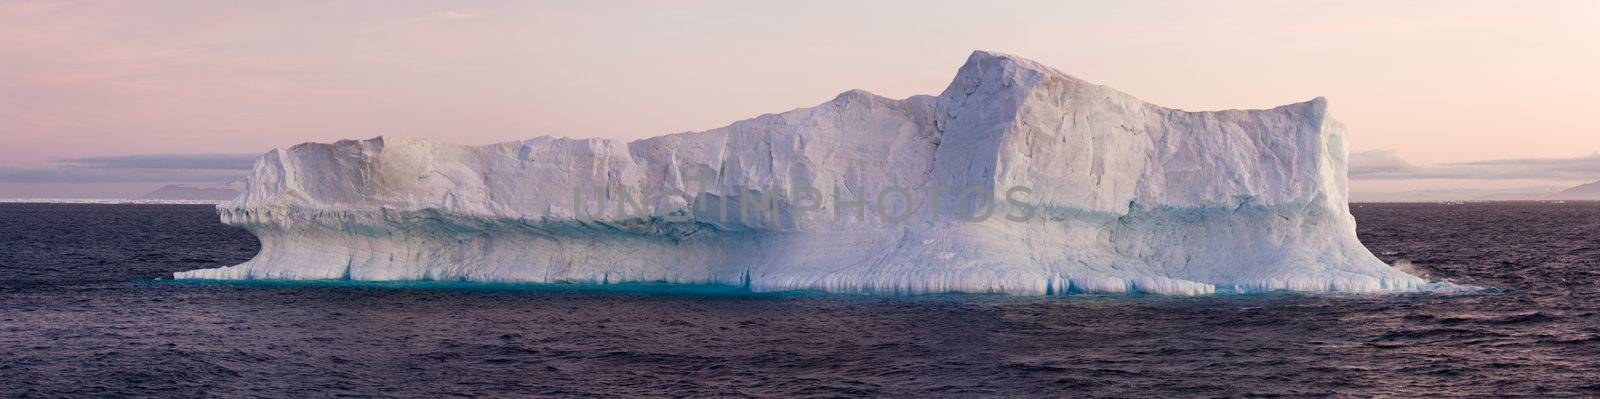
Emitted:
pixel 1126 197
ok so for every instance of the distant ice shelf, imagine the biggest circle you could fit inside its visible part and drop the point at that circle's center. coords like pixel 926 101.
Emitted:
pixel 1121 196
pixel 108 201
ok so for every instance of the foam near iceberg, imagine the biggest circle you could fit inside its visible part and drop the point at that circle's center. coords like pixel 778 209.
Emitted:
pixel 1122 196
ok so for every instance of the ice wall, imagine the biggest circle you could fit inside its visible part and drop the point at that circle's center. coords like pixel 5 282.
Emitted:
pixel 1121 196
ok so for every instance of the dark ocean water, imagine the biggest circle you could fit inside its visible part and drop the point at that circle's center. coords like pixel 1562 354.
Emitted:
pixel 81 314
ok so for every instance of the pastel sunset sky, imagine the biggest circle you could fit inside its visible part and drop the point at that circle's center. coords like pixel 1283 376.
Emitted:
pixel 111 99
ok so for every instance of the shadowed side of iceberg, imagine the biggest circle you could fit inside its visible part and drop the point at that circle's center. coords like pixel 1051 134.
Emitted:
pixel 435 246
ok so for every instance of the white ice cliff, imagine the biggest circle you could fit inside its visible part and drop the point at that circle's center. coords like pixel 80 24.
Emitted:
pixel 1118 196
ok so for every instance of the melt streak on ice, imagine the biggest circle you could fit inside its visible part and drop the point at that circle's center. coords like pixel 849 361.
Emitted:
pixel 1128 197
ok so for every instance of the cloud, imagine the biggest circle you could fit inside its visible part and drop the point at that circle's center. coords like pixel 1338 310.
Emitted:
pixel 453 15
pixel 134 168
pixel 1388 165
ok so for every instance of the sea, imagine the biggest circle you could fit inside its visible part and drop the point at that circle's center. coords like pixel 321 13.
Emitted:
pixel 87 309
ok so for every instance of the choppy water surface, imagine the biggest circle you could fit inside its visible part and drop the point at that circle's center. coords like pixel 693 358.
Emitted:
pixel 81 315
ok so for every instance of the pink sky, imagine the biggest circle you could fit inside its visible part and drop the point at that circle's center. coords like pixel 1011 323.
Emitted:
pixel 1430 82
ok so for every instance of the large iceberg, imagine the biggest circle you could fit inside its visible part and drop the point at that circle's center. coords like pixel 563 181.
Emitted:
pixel 1017 179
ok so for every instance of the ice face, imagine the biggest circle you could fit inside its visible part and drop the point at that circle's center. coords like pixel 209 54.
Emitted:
pixel 1086 190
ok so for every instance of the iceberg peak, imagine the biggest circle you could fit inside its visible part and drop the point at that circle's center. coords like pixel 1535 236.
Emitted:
pixel 981 59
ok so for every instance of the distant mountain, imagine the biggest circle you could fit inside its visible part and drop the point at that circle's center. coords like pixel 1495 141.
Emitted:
pixel 1513 197
pixel 1586 192
pixel 209 192
pixel 1457 194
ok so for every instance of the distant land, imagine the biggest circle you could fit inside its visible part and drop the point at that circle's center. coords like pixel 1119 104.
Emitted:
pixel 190 192
pixel 1585 192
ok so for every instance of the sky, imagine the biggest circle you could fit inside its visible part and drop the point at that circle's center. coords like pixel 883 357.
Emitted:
pixel 111 99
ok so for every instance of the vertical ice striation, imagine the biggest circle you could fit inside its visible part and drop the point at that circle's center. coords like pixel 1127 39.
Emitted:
pixel 1120 196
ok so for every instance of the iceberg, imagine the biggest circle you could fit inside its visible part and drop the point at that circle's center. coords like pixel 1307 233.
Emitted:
pixel 1017 179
